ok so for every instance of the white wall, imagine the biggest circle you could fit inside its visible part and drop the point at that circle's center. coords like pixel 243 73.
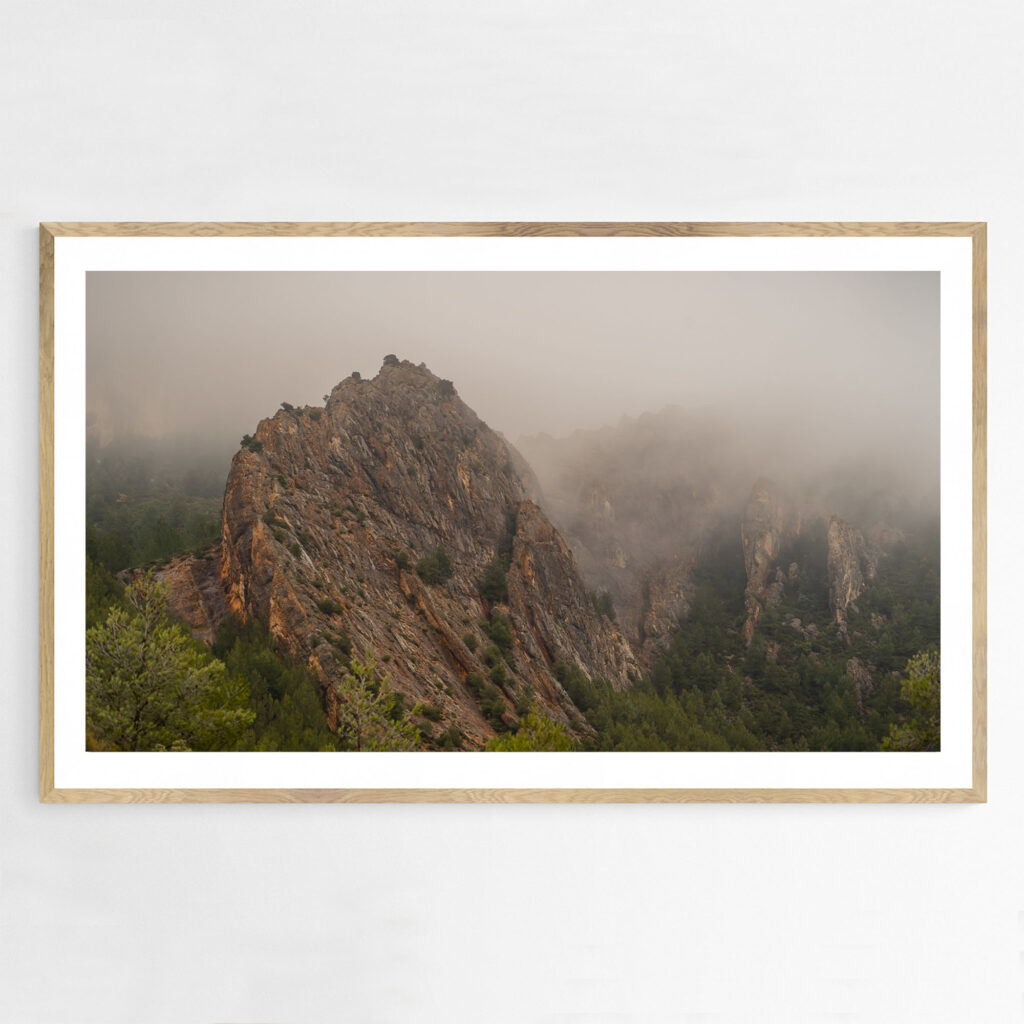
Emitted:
pixel 222 110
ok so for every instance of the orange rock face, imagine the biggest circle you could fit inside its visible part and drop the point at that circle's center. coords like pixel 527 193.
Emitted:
pixel 327 516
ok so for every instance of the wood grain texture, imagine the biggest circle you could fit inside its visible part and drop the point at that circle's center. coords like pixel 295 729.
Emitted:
pixel 514 229
pixel 776 229
pixel 46 639
pixel 510 796
pixel 979 383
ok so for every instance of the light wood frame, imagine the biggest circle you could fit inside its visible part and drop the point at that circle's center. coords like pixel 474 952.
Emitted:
pixel 977 231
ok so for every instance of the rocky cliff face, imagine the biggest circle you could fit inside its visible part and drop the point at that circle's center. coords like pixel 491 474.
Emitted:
pixel 194 593
pixel 650 504
pixel 327 512
pixel 763 531
pixel 850 564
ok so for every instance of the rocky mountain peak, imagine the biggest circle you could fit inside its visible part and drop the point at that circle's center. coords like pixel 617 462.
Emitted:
pixel 371 523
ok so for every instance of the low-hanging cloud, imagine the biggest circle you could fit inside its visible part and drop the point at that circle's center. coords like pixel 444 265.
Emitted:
pixel 803 366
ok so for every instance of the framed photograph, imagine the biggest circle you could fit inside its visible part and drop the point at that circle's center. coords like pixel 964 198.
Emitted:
pixel 512 512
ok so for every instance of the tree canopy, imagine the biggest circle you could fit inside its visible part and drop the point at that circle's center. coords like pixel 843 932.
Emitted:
pixel 921 690
pixel 150 686
pixel 537 732
pixel 369 718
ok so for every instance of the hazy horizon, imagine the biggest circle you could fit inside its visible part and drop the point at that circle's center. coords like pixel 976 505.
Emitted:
pixel 839 362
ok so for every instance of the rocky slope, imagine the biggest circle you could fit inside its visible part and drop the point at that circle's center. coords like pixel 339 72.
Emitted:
pixel 851 563
pixel 641 504
pixel 649 504
pixel 327 513
pixel 194 592
pixel 763 531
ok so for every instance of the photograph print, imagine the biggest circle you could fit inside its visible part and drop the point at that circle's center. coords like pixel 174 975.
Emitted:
pixel 478 512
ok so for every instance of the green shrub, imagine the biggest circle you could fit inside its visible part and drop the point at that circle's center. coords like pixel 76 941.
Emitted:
pixel 431 713
pixel 491 655
pixel 603 605
pixel 471 642
pixel 475 684
pixel 450 739
pixel 492 705
pixel 250 442
pixel 342 643
pixel 535 732
pixel 402 560
pixel 576 684
pixel 329 606
pixel 436 568
pixel 492 584
pixel 498 675
pixel 499 630
pixel 315 414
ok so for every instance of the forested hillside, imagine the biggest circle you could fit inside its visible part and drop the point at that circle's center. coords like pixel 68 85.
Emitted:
pixel 380 573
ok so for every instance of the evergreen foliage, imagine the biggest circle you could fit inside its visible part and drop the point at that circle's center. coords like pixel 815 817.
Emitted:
pixel 920 689
pixel 536 732
pixel 143 509
pixel 365 721
pixel 790 689
pixel 150 686
pixel 284 696
pixel 603 604
pixel 492 584
pixel 499 631
pixel 435 568
pixel 102 592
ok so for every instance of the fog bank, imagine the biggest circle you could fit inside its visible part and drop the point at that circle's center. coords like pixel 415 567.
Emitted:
pixel 806 363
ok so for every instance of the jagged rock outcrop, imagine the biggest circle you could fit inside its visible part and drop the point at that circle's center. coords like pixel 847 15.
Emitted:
pixel 327 512
pixel 850 564
pixel 664 600
pixel 547 596
pixel 763 532
pixel 194 592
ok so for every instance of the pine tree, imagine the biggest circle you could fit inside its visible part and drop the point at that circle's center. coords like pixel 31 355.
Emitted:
pixel 364 702
pixel 149 686
pixel 536 733
pixel 921 689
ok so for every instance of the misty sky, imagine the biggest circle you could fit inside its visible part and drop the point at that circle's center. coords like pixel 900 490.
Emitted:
pixel 834 356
